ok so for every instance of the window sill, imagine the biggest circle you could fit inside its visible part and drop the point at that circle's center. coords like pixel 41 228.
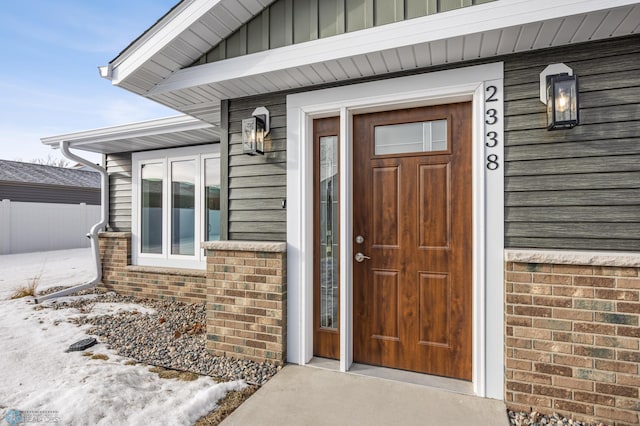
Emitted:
pixel 168 271
pixel 256 246
pixel 570 257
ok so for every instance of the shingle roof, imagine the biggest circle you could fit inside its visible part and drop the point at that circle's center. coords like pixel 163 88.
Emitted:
pixel 15 171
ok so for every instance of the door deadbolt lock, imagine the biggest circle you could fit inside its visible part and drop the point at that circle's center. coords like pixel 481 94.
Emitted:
pixel 361 257
pixel 359 239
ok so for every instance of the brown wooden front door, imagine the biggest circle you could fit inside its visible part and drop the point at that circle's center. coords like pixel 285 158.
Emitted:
pixel 412 208
pixel 326 300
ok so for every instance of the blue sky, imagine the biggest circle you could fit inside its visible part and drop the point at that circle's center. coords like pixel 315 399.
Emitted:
pixel 49 82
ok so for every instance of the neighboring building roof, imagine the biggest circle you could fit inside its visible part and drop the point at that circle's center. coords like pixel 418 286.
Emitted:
pixel 157 64
pixel 29 173
pixel 161 133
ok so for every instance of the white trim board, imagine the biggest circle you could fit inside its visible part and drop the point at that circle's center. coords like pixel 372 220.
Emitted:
pixel 174 131
pixel 490 19
pixel 462 84
pixel 165 157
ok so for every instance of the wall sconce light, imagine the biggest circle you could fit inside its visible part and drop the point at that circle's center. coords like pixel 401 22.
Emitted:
pixel 254 130
pixel 559 91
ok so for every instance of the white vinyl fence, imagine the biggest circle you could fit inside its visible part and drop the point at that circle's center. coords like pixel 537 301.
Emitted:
pixel 28 227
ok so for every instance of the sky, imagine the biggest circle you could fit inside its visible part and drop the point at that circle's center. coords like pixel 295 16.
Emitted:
pixel 49 81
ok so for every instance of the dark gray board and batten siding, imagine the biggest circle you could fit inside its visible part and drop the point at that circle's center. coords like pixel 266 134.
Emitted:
pixel 286 22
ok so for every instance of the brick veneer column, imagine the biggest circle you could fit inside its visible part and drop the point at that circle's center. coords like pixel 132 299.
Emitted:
pixel 573 338
pixel 115 254
pixel 247 300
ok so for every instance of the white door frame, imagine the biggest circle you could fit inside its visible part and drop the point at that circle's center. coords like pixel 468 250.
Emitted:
pixel 481 84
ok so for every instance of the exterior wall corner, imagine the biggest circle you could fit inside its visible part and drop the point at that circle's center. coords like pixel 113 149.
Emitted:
pixel 573 339
pixel 247 300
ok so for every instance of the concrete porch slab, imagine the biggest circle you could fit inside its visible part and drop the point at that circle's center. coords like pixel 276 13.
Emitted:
pixel 311 396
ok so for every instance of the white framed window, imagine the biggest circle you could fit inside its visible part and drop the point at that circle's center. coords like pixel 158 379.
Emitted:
pixel 175 205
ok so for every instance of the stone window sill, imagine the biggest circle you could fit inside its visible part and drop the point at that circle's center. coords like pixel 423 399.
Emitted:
pixel 168 271
pixel 568 257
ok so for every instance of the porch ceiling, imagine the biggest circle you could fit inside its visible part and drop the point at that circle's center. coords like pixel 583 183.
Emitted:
pixel 142 136
pixel 482 31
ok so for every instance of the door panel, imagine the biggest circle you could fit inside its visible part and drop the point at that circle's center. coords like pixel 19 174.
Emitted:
pixel 326 290
pixel 435 306
pixel 433 206
pixel 385 308
pixel 385 187
pixel 412 205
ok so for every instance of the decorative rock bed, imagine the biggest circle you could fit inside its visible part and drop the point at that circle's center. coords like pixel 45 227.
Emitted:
pixel 172 337
pixel 537 419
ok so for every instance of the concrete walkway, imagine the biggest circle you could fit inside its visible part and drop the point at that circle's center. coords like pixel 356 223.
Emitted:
pixel 312 396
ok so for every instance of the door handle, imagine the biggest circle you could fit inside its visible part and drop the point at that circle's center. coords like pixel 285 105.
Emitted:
pixel 361 257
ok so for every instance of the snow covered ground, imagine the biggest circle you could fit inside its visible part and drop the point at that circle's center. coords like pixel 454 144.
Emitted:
pixel 56 268
pixel 40 379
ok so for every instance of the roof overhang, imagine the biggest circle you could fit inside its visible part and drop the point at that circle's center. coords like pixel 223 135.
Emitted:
pixel 178 39
pixel 161 133
pixel 483 31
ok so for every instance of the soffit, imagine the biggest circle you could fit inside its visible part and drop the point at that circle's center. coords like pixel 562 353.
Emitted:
pixel 162 133
pixel 482 31
pixel 178 39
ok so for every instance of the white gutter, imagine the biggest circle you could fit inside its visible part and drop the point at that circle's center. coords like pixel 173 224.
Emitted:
pixel 141 129
pixel 93 233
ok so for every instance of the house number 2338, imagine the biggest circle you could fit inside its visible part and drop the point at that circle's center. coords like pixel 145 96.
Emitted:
pixel 490 120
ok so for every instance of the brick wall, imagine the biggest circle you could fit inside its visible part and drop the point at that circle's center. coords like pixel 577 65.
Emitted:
pixel 246 300
pixel 184 285
pixel 572 340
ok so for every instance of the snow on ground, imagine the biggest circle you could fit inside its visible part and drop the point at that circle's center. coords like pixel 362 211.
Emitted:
pixel 37 375
pixel 56 268
pixel 102 308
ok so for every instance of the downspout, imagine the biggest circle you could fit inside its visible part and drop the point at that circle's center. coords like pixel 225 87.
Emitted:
pixel 93 233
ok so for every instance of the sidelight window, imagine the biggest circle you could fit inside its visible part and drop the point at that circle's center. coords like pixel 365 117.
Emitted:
pixel 328 231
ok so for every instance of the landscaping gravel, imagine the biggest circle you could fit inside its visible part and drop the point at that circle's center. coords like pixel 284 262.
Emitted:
pixel 537 419
pixel 172 337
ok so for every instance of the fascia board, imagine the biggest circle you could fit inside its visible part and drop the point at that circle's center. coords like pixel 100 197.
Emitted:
pixel 167 30
pixel 442 26
pixel 161 126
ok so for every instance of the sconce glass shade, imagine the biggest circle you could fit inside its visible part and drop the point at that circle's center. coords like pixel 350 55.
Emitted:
pixel 253 135
pixel 563 109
